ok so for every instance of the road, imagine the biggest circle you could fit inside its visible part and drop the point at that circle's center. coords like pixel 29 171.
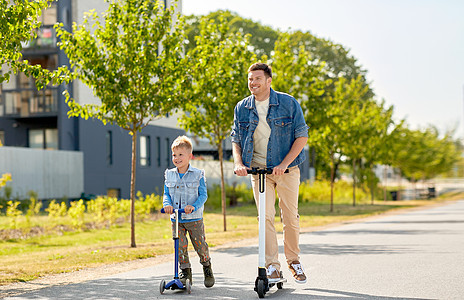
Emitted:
pixel 417 254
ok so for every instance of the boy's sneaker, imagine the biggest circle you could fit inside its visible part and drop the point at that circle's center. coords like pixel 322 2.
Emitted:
pixel 297 271
pixel 185 274
pixel 273 275
pixel 209 277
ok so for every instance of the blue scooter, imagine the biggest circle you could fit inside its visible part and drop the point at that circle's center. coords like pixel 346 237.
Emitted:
pixel 176 284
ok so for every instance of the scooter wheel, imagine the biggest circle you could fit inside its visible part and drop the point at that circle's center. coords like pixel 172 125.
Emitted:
pixel 188 286
pixel 280 285
pixel 260 289
pixel 162 286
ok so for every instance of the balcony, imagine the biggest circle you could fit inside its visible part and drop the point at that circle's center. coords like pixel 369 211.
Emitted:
pixel 29 103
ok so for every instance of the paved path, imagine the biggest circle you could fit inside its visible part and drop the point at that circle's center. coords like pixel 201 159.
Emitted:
pixel 414 255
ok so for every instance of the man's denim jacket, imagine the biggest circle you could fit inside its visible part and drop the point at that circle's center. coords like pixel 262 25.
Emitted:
pixel 286 120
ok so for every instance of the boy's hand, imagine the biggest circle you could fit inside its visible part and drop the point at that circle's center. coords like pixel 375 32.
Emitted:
pixel 189 208
pixel 168 209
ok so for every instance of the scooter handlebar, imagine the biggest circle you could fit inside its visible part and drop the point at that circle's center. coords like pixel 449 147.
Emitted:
pixel 255 171
pixel 181 211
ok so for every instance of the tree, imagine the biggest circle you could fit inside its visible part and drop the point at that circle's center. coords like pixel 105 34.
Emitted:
pixel 294 72
pixel 133 61
pixel 374 122
pixel 19 25
pixel 219 72
pixel 262 37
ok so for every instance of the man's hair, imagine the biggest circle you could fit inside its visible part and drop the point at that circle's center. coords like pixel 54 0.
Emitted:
pixel 182 142
pixel 261 66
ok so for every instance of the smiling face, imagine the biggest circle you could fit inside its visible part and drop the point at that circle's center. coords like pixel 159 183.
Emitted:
pixel 259 84
pixel 181 158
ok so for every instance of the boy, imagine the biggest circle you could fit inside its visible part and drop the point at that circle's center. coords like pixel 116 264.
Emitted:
pixel 185 187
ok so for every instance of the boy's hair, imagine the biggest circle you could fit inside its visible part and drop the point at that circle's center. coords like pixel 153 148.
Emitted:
pixel 182 142
pixel 261 66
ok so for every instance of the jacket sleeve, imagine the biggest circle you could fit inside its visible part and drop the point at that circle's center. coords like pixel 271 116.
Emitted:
pixel 202 193
pixel 235 136
pixel 166 196
pixel 301 129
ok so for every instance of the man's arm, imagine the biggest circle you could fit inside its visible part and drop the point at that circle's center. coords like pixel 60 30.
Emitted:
pixel 239 168
pixel 297 146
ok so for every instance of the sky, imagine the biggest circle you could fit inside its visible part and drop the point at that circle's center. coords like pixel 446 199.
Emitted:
pixel 413 50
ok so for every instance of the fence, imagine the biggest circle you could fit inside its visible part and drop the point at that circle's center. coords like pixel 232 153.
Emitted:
pixel 52 174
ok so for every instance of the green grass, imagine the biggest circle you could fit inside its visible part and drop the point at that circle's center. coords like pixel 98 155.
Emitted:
pixel 25 259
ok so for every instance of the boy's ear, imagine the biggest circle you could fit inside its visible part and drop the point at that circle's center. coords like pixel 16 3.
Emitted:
pixel 191 156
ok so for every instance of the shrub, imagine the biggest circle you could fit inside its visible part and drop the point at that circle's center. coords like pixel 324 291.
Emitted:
pixel 76 212
pixel 14 213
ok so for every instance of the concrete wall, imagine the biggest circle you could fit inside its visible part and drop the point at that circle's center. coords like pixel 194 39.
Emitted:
pixel 51 174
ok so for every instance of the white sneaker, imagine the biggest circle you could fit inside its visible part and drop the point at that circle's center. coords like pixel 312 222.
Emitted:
pixel 273 275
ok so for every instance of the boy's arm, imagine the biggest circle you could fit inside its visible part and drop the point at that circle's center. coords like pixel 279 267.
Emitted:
pixel 166 197
pixel 202 194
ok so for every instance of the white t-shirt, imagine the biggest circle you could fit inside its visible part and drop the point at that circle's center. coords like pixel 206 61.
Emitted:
pixel 261 134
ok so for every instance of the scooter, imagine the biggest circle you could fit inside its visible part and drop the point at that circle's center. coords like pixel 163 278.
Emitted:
pixel 176 284
pixel 262 284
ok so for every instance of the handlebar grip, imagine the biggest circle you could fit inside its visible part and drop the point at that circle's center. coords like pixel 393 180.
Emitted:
pixel 255 171
pixel 181 211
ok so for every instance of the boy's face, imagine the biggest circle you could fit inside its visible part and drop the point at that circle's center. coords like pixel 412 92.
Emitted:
pixel 181 158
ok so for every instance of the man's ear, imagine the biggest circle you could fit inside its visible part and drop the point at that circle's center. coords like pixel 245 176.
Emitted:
pixel 269 80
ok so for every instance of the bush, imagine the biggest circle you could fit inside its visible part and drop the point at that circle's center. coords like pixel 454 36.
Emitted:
pixel 319 192
pixel 240 194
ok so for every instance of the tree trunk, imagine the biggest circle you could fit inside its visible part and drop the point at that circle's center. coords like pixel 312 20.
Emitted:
pixel 384 183
pixel 223 186
pixel 332 178
pixel 132 188
pixel 354 182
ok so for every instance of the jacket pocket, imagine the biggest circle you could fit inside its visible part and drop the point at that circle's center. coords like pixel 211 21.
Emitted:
pixel 283 126
pixel 171 187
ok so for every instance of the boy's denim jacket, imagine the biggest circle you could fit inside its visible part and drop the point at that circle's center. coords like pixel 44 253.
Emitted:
pixel 287 123
pixel 184 191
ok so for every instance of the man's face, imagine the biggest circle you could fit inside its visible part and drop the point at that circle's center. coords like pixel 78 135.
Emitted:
pixel 259 84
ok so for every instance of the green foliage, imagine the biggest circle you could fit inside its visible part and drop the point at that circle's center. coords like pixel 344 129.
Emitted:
pixel 262 38
pixel 13 213
pixel 34 205
pixel 131 58
pixel 56 210
pixel 105 210
pixel 144 206
pixel 319 192
pixel 76 213
pixel 4 179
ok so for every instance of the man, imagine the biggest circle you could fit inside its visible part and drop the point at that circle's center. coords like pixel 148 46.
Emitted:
pixel 269 131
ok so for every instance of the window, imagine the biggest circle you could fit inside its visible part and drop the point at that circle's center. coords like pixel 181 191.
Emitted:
pixel 158 151
pixel 2 137
pixel 109 148
pixel 43 138
pixel 113 193
pixel 145 151
pixel 168 152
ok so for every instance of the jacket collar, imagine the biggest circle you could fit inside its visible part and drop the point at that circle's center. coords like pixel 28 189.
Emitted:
pixel 188 170
pixel 273 100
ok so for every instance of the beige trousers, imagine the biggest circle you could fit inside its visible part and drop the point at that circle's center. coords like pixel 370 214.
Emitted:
pixel 287 186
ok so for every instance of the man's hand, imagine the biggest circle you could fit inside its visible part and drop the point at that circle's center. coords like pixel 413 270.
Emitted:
pixel 240 170
pixel 189 209
pixel 168 209
pixel 279 170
